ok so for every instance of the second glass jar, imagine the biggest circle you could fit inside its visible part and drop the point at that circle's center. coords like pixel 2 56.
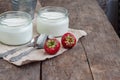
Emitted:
pixel 52 21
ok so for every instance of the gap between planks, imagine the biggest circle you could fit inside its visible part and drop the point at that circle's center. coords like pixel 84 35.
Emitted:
pixel 87 59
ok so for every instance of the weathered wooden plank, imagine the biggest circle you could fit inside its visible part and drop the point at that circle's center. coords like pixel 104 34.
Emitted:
pixel 72 65
pixel 27 72
pixel 102 45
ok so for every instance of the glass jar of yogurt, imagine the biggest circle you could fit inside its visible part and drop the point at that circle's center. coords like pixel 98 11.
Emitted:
pixel 52 21
pixel 15 28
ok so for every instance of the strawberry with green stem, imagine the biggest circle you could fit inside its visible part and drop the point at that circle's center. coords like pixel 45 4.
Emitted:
pixel 68 40
pixel 52 46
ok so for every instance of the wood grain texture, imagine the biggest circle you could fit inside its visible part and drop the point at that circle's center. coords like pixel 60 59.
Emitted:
pixel 11 72
pixel 72 65
pixel 102 44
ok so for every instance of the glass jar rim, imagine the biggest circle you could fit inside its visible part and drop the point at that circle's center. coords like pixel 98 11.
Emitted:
pixel 29 18
pixel 53 8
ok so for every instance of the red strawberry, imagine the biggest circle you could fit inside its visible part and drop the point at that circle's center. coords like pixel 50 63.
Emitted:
pixel 52 46
pixel 68 40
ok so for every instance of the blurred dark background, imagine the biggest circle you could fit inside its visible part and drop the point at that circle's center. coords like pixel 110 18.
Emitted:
pixel 111 7
pixel 5 5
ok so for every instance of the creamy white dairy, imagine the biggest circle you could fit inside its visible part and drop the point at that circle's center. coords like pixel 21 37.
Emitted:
pixel 15 31
pixel 52 23
pixel 14 22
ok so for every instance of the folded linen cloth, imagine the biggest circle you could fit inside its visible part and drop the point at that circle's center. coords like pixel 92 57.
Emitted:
pixel 39 54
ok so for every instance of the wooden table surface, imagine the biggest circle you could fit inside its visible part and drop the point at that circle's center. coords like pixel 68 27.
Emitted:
pixel 95 57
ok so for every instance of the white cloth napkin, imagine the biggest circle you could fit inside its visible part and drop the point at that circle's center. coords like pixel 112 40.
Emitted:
pixel 39 54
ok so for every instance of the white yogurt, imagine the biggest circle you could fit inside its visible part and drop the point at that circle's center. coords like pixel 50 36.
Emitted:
pixel 52 23
pixel 15 31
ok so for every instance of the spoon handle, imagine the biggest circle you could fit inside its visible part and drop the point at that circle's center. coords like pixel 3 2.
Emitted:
pixel 18 57
pixel 12 51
